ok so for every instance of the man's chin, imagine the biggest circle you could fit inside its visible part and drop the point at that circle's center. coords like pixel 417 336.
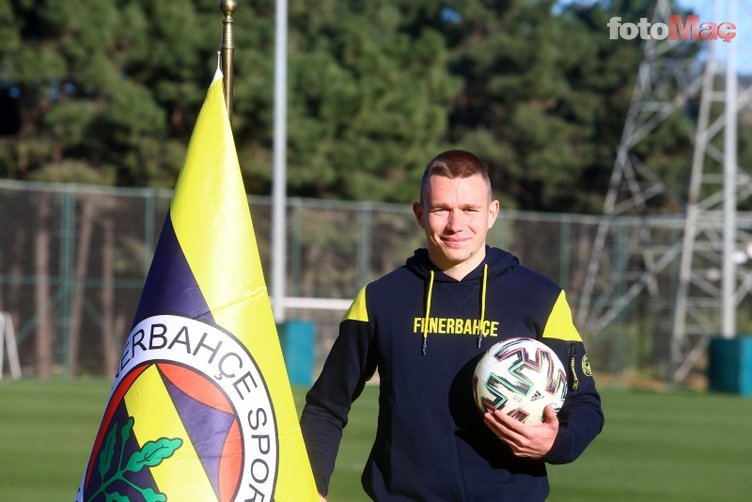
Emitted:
pixel 457 256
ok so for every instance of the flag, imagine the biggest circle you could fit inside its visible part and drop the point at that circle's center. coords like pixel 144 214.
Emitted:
pixel 201 408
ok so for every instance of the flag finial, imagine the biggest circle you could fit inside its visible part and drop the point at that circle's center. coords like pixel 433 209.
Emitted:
pixel 228 7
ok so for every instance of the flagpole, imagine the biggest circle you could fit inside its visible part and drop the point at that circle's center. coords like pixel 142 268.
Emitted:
pixel 227 52
pixel 279 178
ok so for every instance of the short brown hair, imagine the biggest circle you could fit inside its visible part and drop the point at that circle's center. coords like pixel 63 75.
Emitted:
pixel 454 164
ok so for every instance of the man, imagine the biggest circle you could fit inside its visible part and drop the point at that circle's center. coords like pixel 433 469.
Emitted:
pixel 432 444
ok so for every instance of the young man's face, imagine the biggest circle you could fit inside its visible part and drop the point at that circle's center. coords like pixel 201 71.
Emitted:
pixel 456 215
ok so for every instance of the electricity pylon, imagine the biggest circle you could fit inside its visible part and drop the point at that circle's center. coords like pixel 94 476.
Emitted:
pixel 670 266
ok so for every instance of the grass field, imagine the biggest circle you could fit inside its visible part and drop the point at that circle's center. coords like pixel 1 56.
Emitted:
pixel 669 446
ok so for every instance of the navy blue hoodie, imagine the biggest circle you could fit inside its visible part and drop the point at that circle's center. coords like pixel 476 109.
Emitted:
pixel 424 332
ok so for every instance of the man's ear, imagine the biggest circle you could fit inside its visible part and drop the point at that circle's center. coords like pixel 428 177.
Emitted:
pixel 418 212
pixel 493 212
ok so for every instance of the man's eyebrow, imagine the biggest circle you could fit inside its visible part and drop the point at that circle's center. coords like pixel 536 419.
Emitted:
pixel 439 205
pixel 471 205
pixel 445 205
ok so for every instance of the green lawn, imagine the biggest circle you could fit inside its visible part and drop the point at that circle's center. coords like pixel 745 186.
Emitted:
pixel 671 446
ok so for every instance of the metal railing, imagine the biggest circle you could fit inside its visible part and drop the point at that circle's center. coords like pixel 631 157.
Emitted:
pixel 73 260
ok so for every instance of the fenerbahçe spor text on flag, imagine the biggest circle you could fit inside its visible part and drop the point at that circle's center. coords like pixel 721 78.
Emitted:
pixel 201 408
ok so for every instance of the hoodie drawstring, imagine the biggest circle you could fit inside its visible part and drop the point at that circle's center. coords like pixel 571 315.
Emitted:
pixel 482 309
pixel 428 313
pixel 483 304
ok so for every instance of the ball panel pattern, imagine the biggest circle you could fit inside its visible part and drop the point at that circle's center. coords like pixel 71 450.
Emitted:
pixel 520 376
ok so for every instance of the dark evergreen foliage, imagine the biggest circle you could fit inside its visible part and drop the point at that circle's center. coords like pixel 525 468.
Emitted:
pixel 107 93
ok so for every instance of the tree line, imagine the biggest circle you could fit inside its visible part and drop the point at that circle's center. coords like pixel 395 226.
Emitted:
pixel 108 93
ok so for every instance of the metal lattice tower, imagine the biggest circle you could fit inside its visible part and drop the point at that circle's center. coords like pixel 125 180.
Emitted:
pixel 683 312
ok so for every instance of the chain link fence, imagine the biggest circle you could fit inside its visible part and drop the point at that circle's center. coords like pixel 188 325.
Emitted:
pixel 73 260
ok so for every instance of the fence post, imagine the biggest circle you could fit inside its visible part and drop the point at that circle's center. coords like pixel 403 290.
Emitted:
pixel 565 251
pixel 8 340
pixel 364 241
pixel 296 245
pixel 66 272
pixel 621 241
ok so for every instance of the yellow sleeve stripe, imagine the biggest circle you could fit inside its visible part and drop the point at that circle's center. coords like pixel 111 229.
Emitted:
pixel 560 324
pixel 357 310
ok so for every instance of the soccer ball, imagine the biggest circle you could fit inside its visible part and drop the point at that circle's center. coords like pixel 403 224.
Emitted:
pixel 520 376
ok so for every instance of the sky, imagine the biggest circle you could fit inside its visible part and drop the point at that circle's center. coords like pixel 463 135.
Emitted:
pixel 743 40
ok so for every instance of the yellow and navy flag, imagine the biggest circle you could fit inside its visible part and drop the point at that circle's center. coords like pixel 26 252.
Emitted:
pixel 201 407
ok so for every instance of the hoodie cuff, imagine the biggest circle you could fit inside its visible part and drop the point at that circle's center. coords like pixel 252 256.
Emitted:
pixel 560 451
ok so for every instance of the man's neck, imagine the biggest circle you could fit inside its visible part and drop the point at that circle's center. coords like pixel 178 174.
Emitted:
pixel 459 271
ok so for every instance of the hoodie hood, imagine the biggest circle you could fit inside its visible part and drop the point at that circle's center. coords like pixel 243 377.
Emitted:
pixel 495 263
pixel 497 260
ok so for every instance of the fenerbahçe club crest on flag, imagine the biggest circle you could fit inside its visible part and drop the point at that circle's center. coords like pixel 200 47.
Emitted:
pixel 201 407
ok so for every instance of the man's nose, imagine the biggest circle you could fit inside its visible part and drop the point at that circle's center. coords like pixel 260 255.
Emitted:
pixel 456 220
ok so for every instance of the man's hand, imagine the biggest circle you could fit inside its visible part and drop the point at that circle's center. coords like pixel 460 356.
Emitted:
pixel 531 441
